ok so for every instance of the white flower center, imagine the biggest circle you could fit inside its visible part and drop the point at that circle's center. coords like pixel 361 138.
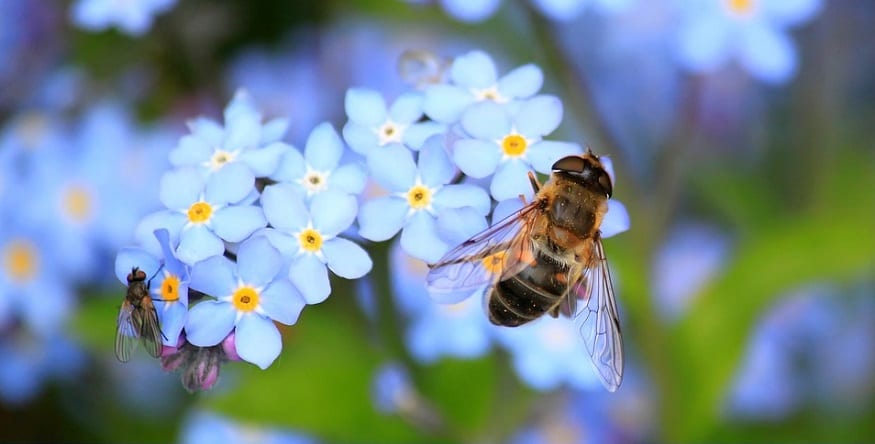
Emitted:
pixel 220 158
pixel 490 93
pixel 390 132
pixel 314 181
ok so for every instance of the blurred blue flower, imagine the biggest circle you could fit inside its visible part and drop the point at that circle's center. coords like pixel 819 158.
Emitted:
pixel 474 78
pixel 510 143
pixel 473 11
pixel 204 213
pixel 373 125
pixel 250 295
pixel 308 237
pixel 29 360
pixel 208 428
pixel 131 16
pixel 422 199
pixel 321 167
pixel 243 139
pixel 392 389
pixel 753 32
pixel 168 285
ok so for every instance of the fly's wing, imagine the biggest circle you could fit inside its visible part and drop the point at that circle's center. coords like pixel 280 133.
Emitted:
pixel 497 253
pixel 598 320
pixel 150 329
pixel 126 333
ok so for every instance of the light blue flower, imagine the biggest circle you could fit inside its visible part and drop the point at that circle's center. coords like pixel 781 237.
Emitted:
pixel 509 144
pixel 372 124
pixel 752 32
pixel 321 168
pixel 474 78
pixel 243 139
pixel 131 16
pixel 308 237
pixel 566 10
pixel 209 428
pixel 471 11
pixel 421 201
pixel 168 284
pixel 29 361
pixel 204 213
pixel 250 295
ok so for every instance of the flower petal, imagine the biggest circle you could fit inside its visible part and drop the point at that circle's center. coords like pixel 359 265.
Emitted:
pixel 258 262
pixel 284 208
pixel 282 302
pixel 407 108
pixel 486 120
pixel 231 184
pixel 392 167
pixel 461 195
pixel 263 161
pixel 415 135
pixel 198 243
pixel 420 238
pixel 379 219
pixel 130 257
pixel 180 188
pixel 476 158
pixel 172 317
pixel 346 258
pixel 435 166
pixel 324 148
pixel 767 53
pixel 616 220
pixel 333 211
pixel 310 277
pixel 191 150
pixel 258 340
pixel 511 180
pixel 542 155
pixel 365 106
pixel 350 178
pixel 473 70
pixel 209 322
pixel 236 223
pixel 522 82
pixel 445 103
pixel 538 116
pixel 214 276
pixel 291 166
pixel 456 225
pixel 360 138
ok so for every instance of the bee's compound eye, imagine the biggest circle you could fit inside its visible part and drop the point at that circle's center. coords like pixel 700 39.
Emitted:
pixel 605 183
pixel 130 277
pixel 570 164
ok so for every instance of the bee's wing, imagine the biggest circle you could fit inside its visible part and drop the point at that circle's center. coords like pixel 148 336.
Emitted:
pixel 597 317
pixel 150 329
pixel 470 265
pixel 126 333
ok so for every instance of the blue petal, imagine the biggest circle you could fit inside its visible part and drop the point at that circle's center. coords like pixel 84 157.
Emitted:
pixel 379 219
pixel 473 70
pixel 350 178
pixel 445 103
pixel 392 167
pixel 461 195
pixel 539 116
pixel 476 158
pixel 172 264
pixel 130 257
pixel 274 130
pixel 415 135
pixel 361 139
pixel 470 10
pixel 435 166
pixel 346 258
pixel 511 180
pixel 333 211
pixel 191 150
pixel 456 225
pixel 703 44
pixel 486 120
pixel 197 243
pixel 505 208
pixel 263 161
pixel 180 188
pixel 616 220
pixel 365 107
pixel 208 130
pixel 172 318
pixel 234 224
pixel 282 302
pixel 284 242
pixel 291 167
pixel 767 53
pixel 258 341
pixel 258 262
pixel 420 238
pixel 407 108
pixel 209 322
pixel 144 232
pixel 284 208
pixel 231 184
pixel 791 12
pixel 542 155
pixel 560 10
pixel 242 125
pixel 522 82
pixel 214 276
pixel 323 148
pixel 311 278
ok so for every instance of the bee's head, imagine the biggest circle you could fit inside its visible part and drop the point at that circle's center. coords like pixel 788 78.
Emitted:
pixel 587 169
pixel 136 275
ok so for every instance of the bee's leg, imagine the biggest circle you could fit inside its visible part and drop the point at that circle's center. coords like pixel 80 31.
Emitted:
pixel 534 180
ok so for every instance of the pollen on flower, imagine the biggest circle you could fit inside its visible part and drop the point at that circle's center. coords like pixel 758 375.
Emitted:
pixel 419 197
pixel 20 260
pixel 490 93
pixel 219 159
pixel 740 8
pixel 170 288
pixel 200 212
pixel 78 203
pixel 390 132
pixel 310 240
pixel 245 299
pixel 514 145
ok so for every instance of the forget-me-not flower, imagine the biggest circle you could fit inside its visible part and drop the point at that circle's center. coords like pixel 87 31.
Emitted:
pixel 421 200
pixel 131 16
pixel 510 143
pixel 250 295
pixel 321 167
pixel 307 236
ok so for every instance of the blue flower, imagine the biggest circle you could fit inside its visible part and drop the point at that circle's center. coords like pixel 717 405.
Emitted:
pixel 133 17
pixel 29 360
pixel 250 295
pixel 473 78
pixel 320 167
pixel 509 144
pixel 308 237
pixel 752 32
pixel 470 11
pixel 422 200
pixel 373 125
pixel 202 214
pixel 392 389
pixel 168 285
pixel 243 139
pixel 209 428
pixel 566 10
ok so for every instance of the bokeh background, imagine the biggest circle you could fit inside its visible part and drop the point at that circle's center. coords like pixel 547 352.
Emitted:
pixel 741 133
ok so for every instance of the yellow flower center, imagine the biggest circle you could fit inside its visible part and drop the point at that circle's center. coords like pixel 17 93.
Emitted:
pixel 310 240
pixel 494 263
pixel 514 145
pixel 490 93
pixel 21 260
pixel 78 203
pixel 741 8
pixel 220 158
pixel 170 288
pixel 419 197
pixel 199 212
pixel 245 299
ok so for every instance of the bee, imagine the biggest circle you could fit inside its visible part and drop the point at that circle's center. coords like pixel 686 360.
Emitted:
pixel 546 258
pixel 137 319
